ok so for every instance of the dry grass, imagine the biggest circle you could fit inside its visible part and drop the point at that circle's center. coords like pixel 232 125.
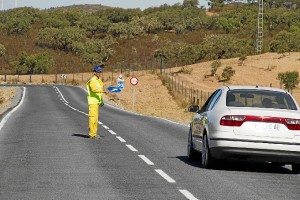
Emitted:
pixel 153 98
pixel 6 94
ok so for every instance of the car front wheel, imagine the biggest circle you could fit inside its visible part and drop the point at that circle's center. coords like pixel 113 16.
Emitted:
pixel 207 160
pixel 296 168
pixel 191 153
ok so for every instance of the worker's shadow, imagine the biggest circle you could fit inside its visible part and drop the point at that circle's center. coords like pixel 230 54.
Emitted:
pixel 84 136
pixel 80 135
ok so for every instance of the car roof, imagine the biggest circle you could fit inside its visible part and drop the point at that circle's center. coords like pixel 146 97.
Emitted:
pixel 235 87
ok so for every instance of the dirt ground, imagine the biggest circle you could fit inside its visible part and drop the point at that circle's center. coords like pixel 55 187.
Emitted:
pixel 152 98
pixel 6 95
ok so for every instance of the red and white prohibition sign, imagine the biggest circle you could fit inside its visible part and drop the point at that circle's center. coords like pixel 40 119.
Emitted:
pixel 134 81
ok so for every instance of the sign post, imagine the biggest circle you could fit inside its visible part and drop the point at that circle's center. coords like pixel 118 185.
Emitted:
pixel 121 86
pixel 134 81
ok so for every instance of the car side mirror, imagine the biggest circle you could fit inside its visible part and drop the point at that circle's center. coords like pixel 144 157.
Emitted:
pixel 193 108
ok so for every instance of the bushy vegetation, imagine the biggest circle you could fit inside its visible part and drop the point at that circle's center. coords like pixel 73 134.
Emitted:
pixel 289 79
pixel 179 34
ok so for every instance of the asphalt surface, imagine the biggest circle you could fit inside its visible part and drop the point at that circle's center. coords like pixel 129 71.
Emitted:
pixel 45 154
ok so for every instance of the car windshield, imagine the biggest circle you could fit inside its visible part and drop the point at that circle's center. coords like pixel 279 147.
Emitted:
pixel 260 99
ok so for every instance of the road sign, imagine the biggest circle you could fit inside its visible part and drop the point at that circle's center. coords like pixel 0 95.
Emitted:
pixel 120 84
pixel 113 89
pixel 134 81
pixel 120 78
pixel 63 76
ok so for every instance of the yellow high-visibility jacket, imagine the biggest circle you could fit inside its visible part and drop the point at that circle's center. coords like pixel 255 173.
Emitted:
pixel 94 88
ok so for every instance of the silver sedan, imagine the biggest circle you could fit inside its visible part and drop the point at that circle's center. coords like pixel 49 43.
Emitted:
pixel 246 122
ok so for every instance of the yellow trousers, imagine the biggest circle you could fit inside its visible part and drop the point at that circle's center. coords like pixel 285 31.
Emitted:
pixel 93 119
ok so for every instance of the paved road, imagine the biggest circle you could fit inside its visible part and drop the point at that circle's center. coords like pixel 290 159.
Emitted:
pixel 45 154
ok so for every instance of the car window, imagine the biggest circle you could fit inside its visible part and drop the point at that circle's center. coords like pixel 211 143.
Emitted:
pixel 260 99
pixel 214 100
pixel 204 107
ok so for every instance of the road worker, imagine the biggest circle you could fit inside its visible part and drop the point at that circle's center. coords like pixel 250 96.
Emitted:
pixel 95 99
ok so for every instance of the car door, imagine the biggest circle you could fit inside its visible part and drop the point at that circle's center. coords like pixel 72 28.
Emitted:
pixel 199 121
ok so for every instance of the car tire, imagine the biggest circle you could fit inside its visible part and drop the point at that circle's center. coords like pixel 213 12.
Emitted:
pixel 191 153
pixel 296 168
pixel 207 160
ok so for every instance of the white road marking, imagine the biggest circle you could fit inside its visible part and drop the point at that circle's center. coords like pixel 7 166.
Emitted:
pixel 61 94
pixel 188 195
pixel 4 120
pixel 112 132
pixel 165 176
pixel 106 127
pixel 121 139
pixel 131 147
pixel 146 160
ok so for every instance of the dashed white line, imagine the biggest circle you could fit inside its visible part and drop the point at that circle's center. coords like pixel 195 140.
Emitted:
pixel 146 160
pixel 112 132
pixel 121 139
pixel 131 147
pixel 106 127
pixel 188 195
pixel 165 176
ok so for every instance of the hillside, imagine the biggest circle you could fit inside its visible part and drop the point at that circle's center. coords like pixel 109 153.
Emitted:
pixel 154 99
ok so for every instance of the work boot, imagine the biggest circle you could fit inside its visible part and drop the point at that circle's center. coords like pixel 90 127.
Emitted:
pixel 96 137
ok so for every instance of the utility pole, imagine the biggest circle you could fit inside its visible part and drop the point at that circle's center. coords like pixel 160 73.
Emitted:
pixel 260 27
pixel 2 5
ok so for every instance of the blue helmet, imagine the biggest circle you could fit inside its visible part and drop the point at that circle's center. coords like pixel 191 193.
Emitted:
pixel 97 69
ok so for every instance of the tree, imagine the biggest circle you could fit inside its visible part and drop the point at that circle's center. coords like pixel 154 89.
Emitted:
pixel 286 41
pixel 35 63
pixel 242 59
pixel 55 22
pixel 62 38
pixel 289 79
pixel 229 25
pixel 190 3
pixel 225 46
pixel 95 51
pixel 214 67
pixel 94 24
pixel 227 73
pixel 3 53
pixel 2 50
pixel 116 15
pixel 17 26
pixel 149 24
pixel 125 30
pixel 216 3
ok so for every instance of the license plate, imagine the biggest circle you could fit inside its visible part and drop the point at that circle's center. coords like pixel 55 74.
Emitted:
pixel 265 126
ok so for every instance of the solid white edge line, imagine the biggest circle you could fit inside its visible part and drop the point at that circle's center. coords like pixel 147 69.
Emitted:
pixel 121 139
pixel 112 132
pixel 188 195
pixel 75 108
pixel 6 117
pixel 165 176
pixel 146 160
pixel 106 127
pixel 61 94
pixel 131 147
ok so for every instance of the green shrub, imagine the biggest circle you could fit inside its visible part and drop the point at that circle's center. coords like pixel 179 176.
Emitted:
pixel 227 73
